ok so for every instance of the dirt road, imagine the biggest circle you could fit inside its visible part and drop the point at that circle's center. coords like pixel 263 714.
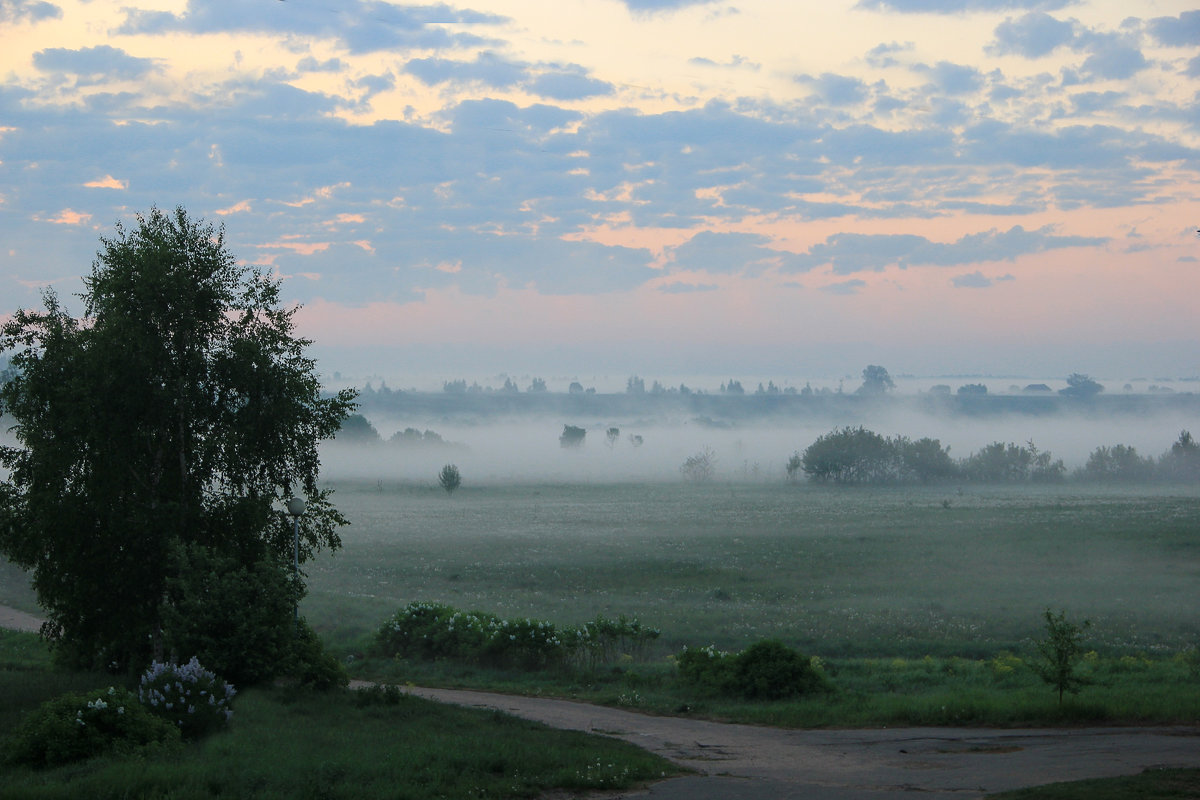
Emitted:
pixel 739 762
pixel 744 762
pixel 15 620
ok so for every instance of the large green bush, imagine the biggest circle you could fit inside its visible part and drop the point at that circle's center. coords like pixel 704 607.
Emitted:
pixel 81 725
pixel 234 614
pixel 770 670
pixel 766 670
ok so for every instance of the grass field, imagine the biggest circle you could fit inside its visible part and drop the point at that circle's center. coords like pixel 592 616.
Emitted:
pixel 903 573
pixel 293 744
pixel 921 605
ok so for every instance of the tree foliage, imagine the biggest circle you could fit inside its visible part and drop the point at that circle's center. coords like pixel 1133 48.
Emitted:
pixel 857 456
pixel 450 478
pixel 1081 386
pixel 572 436
pixel 1118 463
pixel 1182 461
pixel 876 381
pixel 1060 652
pixel 178 412
pixel 1013 463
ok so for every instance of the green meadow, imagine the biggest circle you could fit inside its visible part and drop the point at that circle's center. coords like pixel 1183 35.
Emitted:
pixel 918 606
pixel 837 573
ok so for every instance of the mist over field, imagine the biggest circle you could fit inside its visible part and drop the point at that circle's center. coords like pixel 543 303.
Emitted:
pixel 525 447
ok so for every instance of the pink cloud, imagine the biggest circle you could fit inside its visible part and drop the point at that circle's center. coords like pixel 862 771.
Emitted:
pixel 66 217
pixel 107 182
pixel 239 207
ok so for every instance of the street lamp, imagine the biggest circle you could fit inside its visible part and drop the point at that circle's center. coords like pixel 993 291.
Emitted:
pixel 295 507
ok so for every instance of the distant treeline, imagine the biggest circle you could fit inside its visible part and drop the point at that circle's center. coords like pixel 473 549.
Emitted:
pixel 857 456
pixel 733 406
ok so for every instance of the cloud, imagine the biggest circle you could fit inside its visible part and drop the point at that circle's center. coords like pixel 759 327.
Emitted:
pixel 650 6
pixel 240 207
pixel 67 216
pixel 844 287
pixel 687 288
pixel 977 280
pixel 836 90
pixel 848 253
pixel 953 78
pixel 310 64
pixel 362 25
pixel 960 6
pixel 16 11
pixel 488 69
pixel 880 56
pixel 568 84
pixel 1092 147
pixel 973 280
pixel 1181 31
pixel 1113 57
pixel 728 253
pixel 734 62
pixel 1033 36
pixel 1193 68
pixel 107 182
pixel 98 62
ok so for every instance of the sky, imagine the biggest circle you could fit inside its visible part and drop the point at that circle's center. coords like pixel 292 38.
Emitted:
pixel 576 188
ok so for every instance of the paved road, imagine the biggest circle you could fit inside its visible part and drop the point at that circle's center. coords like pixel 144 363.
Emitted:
pixel 740 762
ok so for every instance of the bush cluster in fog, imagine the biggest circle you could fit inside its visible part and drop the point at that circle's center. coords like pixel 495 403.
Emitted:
pixel 356 429
pixel 701 467
pixel 857 456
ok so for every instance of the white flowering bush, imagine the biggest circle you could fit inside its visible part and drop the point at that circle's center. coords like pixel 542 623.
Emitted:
pixel 605 641
pixel 187 695
pixel 432 631
pixel 77 726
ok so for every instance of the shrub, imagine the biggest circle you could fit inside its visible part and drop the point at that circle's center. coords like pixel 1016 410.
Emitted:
pixel 188 696
pixel 701 467
pixel 431 631
pixel 707 669
pixel 770 670
pixel 234 614
pixel 310 665
pixel 603 640
pixel 77 726
pixel 766 670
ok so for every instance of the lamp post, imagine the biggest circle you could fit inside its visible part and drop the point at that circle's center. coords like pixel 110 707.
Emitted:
pixel 295 507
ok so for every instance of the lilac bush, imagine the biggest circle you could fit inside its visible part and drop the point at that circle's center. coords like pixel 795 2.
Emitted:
pixel 191 697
